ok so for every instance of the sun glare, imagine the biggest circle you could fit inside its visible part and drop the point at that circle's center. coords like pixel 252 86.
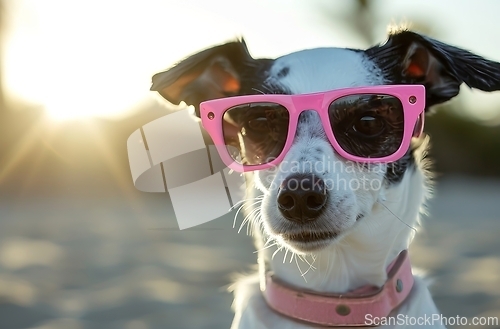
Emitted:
pixel 59 59
pixel 79 59
pixel 91 58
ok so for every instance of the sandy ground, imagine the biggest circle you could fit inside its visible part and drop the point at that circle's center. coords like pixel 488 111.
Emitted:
pixel 68 263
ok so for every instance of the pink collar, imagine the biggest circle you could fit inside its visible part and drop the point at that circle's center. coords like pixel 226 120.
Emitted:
pixel 347 309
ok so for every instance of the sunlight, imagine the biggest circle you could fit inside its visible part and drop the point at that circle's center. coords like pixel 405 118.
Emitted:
pixel 81 59
pixel 105 151
pixel 23 147
pixel 69 64
pixel 91 58
pixel 76 62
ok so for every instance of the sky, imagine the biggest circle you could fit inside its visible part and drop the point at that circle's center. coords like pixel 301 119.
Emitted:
pixel 95 58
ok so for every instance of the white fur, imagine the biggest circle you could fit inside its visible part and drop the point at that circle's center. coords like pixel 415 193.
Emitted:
pixel 357 259
pixel 364 246
pixel 323 69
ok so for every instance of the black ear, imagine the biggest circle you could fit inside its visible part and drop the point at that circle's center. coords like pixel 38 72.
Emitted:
pixel 410 58
pixel 213 73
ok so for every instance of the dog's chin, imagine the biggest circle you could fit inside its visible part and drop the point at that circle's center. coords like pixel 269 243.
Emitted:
pixel 305 239
pixel 307 242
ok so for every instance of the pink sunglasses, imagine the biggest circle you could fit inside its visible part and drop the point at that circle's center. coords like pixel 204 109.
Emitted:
pixel 363 124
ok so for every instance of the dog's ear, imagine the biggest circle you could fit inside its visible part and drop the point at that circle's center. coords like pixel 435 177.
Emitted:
pixel 213 73
pixel 411 58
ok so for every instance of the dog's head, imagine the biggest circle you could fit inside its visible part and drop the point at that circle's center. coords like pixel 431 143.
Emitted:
pixel 314 196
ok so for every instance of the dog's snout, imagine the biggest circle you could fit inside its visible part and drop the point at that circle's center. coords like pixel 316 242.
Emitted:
pixel 301 198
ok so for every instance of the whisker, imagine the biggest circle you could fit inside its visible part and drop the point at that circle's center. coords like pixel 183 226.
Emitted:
pixel 270 239
pixel 311 265
pixel 255 217
pixel 402 221
pixel 243 222
pixel 307 271
pixel 259 91
pixel 304 259
pixel 243 207
pixel 236 215
pixel 300 270
pixel 277 250
pixel 266 88
pixel 266 247
pixel 284 257
pixel 247 219
pixel 246 207
pixel 392 201
pixel 244 200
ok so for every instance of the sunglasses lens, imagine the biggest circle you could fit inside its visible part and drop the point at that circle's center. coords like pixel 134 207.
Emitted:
pixel 368 125
pixel 255 133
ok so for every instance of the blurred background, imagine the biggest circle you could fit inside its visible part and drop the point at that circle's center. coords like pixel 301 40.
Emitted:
pixel 81 248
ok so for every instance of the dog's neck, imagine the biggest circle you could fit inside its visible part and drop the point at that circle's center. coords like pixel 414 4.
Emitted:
pixel 362 256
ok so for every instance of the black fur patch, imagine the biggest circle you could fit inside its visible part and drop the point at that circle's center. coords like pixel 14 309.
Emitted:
pixel 283 72
pixel 396 170
pixel 456 66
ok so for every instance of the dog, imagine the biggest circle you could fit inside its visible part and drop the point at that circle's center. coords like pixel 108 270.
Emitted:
pixel 333 139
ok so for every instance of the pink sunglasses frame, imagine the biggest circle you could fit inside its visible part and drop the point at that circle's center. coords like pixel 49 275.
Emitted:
pixel 411 96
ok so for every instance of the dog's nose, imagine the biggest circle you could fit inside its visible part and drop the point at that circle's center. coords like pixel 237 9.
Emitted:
pixel 301 198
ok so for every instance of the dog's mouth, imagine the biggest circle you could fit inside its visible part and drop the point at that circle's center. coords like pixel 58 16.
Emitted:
pixel 307 237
